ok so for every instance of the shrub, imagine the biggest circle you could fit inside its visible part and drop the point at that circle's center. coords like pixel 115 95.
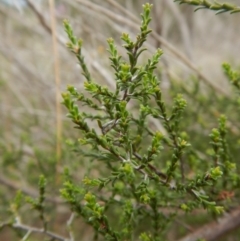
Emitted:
pixel 146 179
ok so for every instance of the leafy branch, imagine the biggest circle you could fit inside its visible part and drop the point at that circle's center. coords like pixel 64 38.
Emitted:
pixel 216 6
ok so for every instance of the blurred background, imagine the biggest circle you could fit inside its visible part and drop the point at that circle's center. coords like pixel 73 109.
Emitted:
pixel 35 66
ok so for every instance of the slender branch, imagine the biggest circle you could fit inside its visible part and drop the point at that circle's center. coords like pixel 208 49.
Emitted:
pixel 39 15
pixel 69 227
pixel 43 22
pixel 30 230
pixel 183 27
pixel 151 167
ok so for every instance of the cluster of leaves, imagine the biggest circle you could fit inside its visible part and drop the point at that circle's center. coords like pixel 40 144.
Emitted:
pixel 233 76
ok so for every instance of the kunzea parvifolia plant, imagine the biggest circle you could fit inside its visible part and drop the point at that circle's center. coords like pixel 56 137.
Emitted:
pixel 145 178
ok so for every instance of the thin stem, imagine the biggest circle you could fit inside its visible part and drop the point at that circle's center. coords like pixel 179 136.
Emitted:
pixel 58 84
pixel 38 230
pixel 69 227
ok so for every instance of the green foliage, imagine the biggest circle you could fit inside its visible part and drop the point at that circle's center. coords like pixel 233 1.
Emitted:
pixel 138 178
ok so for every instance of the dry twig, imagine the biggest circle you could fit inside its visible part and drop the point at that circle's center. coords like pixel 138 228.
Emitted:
pixel 213 231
